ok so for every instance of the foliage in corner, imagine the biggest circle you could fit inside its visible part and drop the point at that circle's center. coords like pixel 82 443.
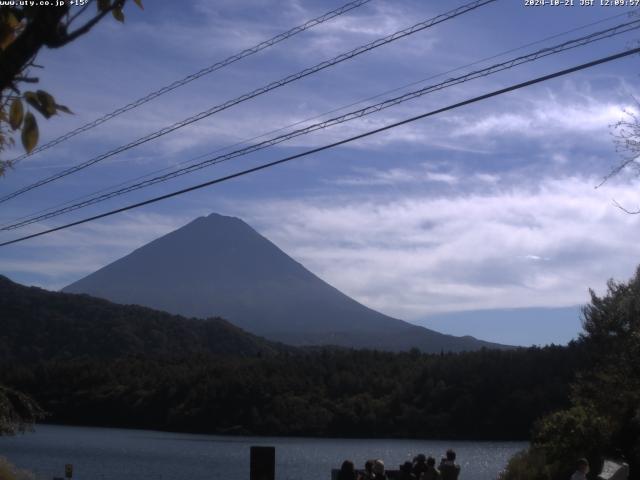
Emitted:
pixel 528 464
pixel 604 417
pixel 9 471
pixel 24 30
pixel 564 436
pixel 18 412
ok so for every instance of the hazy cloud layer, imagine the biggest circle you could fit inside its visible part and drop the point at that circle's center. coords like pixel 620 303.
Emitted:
pixel 516 246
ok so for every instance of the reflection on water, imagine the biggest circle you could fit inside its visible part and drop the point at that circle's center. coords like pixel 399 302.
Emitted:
pixel 117 454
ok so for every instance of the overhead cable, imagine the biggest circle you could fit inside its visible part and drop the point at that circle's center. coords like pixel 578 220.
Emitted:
pixel 545 52
pixel 331 145
pixel 259 91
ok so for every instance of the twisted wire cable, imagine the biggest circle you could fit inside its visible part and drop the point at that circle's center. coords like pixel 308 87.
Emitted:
pixel 366 134
pixel 259 91
pixel 315 117
pixel 374 108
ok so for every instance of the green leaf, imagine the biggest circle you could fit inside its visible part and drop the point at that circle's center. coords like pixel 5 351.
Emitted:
pixel 33 100
pixel 30 96
pixel 29 132
pixel 139 4
pixel 7 30
pixel 16 114
pixel 17 13
pixel 64 108
pixel 40 101
pixel 118 14
pixel 12 21
pixel 104 5
pixel 47 102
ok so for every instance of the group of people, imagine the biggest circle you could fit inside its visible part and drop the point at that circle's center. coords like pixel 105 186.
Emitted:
pixel 422 468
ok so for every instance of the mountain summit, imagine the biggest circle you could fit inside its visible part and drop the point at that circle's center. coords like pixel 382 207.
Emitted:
pixel 220 266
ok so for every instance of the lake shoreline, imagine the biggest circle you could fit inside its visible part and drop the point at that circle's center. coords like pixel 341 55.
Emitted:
pixel 111 453
pixel 232 433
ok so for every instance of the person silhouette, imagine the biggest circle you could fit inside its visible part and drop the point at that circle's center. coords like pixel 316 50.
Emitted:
pixel 582 468
pixel 449 469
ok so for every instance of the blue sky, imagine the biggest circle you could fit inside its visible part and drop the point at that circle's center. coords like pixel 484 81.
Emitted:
pixel 488 207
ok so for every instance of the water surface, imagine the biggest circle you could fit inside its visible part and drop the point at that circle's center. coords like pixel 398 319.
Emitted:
pixel 119 454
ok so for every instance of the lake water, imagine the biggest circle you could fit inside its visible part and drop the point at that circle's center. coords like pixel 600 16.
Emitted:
pixel 118 454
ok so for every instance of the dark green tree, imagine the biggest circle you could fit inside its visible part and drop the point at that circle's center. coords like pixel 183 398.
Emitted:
pixel 18 412
pixel 604 417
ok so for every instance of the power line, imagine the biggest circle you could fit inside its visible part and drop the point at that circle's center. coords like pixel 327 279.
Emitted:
pixel 247 96
pixel 568 45
pixel 205 71
pixel 332 145
pixel 314 117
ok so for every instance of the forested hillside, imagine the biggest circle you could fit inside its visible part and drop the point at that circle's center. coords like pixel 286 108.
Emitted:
pixel 40 325
pixel 88 361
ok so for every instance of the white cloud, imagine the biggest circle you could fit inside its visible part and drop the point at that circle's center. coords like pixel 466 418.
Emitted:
pixel 541 116
pixel 398 176
pixel 536 258
pixel 546 115
pixel 519 246
pixel 408 254
pixel 487 178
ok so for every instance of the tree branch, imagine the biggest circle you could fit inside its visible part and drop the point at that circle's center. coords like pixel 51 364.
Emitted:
pixel 27 79
pixel 630 212
pixel 68 37
pixel 44 27
pixel 79 12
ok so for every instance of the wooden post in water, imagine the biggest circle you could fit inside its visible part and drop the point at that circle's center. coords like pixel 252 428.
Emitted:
pixel 263 463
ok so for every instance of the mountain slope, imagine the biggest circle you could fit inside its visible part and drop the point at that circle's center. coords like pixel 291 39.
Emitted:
pixel 220 266
pixel 39 325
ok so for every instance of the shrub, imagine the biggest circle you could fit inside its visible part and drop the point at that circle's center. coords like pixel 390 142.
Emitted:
pixel 529 464
pixel 11 472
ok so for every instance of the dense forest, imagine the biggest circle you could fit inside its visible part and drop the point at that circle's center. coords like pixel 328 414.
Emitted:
pixel 478 395
pixel 89 361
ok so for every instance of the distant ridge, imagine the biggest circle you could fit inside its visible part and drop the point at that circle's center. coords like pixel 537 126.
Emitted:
pixel 220 266
pixel 38 325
